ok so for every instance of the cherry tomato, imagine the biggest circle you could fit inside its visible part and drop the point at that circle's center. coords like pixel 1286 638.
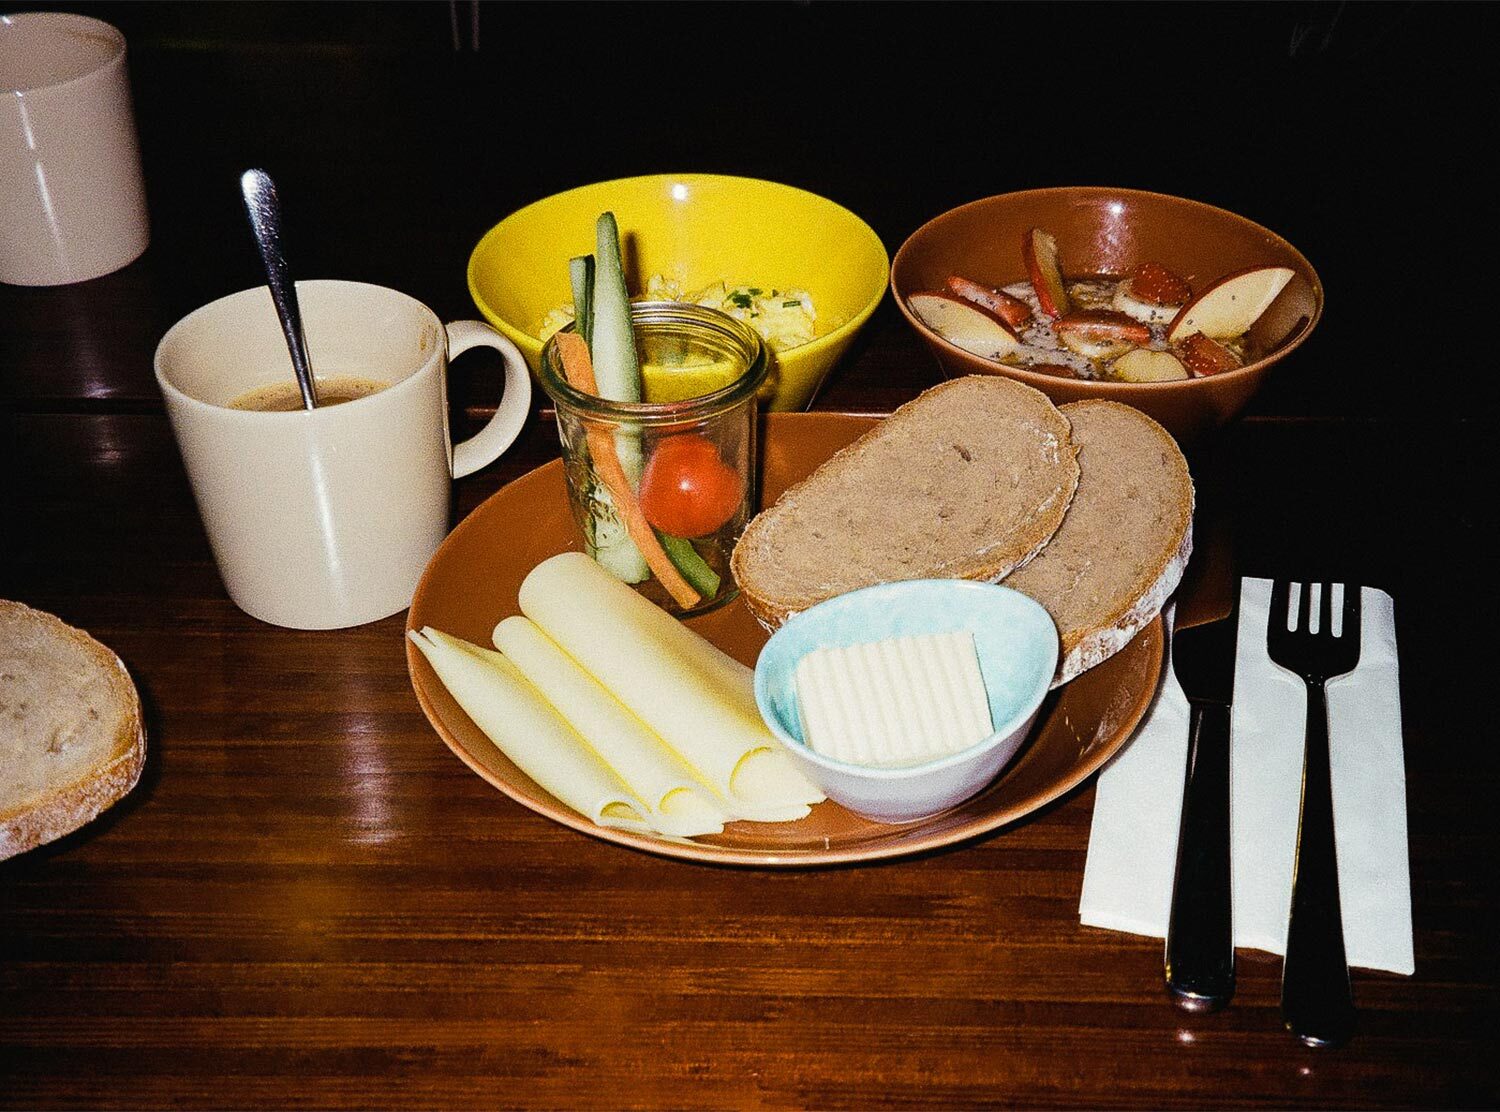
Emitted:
pixel 687 490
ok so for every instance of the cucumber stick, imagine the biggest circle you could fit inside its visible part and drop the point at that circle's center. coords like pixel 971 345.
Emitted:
pixel 612 342
pixel 608 541
pixel 581 273
pixel 602 309
pixel 603 315
pixel 612 335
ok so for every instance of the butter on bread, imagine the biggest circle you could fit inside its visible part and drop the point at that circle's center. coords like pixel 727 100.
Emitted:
pixel 1123 547
pixel 71 736
pixel 967 481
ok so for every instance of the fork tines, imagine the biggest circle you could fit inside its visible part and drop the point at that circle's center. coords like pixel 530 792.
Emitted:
pixel 1291 634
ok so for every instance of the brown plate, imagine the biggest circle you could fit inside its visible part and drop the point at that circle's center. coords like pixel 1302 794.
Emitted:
pixel 472 583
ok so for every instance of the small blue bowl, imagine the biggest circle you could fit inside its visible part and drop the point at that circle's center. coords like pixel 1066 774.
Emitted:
pixel 1017 646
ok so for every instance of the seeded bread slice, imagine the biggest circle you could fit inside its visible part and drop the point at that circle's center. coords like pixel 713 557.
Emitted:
pixel 71 739
pixel 967 481
pixel 1122 549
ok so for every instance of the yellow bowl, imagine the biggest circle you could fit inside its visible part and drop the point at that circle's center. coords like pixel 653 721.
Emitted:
pixel 695 229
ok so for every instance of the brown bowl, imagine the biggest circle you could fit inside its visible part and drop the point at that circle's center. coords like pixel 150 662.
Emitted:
pixel 1102 230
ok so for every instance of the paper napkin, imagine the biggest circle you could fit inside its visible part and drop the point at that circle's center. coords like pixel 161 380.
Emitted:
pixel 1127 879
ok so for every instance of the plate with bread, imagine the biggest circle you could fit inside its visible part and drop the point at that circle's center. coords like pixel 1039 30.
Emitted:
pixel 73 743
pixel 1085 507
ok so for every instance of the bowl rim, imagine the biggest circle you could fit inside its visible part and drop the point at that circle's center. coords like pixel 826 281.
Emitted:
pixel 813 346
pixel 1106 387
pixel 1017 720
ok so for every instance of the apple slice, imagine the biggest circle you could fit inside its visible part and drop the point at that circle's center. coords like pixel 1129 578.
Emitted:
pixel 1154 283
pixel 1039 249
pixel 1231 305
pixel 1012 310
pixel 964 324
pixel 1101 333
pixel 1144 365
pixel 1151 293
pixel 1205 357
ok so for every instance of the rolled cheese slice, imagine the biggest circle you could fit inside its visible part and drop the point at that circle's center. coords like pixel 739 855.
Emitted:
pixel 697 699
pixel 528 730
pixel 680 804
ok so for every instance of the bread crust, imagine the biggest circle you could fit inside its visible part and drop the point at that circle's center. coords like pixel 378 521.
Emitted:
pixel 990 567
pixel 1101 644
pixel 1156 578
pixel 65 807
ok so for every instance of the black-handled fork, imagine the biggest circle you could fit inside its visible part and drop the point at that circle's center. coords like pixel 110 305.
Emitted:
pixel 1316 1001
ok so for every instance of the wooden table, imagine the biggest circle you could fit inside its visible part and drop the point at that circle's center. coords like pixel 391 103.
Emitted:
pixel 309 901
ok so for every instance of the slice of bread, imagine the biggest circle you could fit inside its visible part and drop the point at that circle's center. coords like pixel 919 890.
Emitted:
pixel 71 736
pixel 1122 549
pixel 967 481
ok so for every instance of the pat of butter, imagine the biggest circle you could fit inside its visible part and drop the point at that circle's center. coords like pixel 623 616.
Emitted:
pixel 894 703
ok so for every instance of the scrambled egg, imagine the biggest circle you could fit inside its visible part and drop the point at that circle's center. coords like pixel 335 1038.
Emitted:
pixel 785 318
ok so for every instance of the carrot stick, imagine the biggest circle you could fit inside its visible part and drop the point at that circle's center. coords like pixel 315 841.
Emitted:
pixel 579 370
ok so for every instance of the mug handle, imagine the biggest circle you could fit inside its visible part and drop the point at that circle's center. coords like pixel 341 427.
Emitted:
pixel 502 429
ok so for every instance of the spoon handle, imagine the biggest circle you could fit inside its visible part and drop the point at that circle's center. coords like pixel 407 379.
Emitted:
pixel 265 220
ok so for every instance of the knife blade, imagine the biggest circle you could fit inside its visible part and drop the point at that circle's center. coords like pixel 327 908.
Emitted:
pixel 1199 960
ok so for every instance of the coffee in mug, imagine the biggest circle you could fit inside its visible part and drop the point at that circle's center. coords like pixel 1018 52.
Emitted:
pixel 324 518
pixel 285 397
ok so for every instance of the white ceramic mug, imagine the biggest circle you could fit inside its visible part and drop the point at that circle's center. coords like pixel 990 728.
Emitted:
pixel 327 518
pixel 72 203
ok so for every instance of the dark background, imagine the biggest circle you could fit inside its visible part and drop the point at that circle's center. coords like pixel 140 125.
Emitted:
pixel 1357 131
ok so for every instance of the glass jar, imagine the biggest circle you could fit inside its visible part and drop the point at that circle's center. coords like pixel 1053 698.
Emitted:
pixel 687 454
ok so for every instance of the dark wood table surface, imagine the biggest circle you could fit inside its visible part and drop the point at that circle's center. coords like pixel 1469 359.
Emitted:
pixel 308 900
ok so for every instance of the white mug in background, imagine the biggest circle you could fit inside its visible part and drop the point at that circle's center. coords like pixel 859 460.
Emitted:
pixel 72 203
pixel 326 518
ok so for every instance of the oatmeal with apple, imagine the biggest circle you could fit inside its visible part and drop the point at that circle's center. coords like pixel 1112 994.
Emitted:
pixel 1144 326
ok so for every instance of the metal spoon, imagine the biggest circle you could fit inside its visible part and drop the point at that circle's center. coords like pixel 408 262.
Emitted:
pixel 265 220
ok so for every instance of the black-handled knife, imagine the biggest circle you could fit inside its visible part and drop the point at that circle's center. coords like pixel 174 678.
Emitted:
pixel 1200 934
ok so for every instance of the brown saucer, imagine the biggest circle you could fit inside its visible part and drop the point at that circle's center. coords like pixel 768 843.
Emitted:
pixel 472 583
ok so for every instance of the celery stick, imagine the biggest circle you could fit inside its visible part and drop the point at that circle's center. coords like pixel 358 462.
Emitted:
pixel 693 567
